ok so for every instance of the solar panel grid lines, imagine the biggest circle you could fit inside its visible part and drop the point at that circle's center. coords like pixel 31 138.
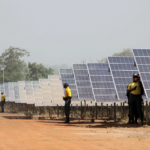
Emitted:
pixel 68 74
pixel 91 84
pixel 46 92
pixel 22 92
pixel 122 70
pixel 102 83
pixel 6 91
pixel 57 90
pixel 37 93
pixel 16 92
pixel 11 92
pixel 83 81
pixel 29 92
pixel 142 60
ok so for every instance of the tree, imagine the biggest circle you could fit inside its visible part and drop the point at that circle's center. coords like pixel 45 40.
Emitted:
pixel 37 71
pixel 16 69
pixel 125 52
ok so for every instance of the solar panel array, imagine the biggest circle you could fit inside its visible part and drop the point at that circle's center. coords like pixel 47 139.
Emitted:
pixel 46 92
pixel 102 82
pixel 56 90
pixel 67 76
pixel 84 87
pixel 22 92
pixel 142 59
pixel 122 69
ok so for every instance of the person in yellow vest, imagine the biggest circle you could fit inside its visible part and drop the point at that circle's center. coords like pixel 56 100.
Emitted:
pixel 67 99
pixel 2 101
pixel 134 90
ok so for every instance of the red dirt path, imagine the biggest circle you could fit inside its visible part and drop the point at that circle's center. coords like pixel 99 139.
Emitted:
pixel 21 134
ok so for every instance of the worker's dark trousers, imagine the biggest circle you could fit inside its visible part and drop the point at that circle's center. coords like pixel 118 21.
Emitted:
pixel 135 106
pixel 67 109
pixel 135 115
pixel 2 106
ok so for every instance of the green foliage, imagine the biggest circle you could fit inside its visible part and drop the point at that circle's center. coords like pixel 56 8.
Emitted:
pixel 37 71
pixel 125 52
pixel 16 69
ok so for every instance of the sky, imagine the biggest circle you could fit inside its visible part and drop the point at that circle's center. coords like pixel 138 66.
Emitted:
pixel 72 31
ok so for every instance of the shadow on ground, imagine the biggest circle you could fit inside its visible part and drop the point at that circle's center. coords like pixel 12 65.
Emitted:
pixel 100 123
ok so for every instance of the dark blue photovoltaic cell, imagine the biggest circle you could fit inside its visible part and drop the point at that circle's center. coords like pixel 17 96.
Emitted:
pixel 146 84
pixel 68 81
pixel 144 68
pixel 99 72
pixel 122 96
pixel 83 84
pixel 85 90
pixel 103 85
pixel 81 72
pixel 104 98
pixel 122 67
pixel 143 60
pixel 80 66
pixel 122 60
pixel 104 91
pixel 123 74
pixel 145 76
pixel 98 66
pixel 87 96
pixel 74 92
pixel 66 71
pixel 101 78
pixel 125 81
pixel 141 52
pixel 82 78
pixel 71 86
pixel 67 76
pixel 121 88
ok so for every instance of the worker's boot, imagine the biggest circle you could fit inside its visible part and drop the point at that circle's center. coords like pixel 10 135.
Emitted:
pixel 136 121
pixel 67 120
pixel 130 121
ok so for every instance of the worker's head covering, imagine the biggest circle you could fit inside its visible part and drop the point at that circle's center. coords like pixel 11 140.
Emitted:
pixel 135 75
pixel 2 93
pixel 66 85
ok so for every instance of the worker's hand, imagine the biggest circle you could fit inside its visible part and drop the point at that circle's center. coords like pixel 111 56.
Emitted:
pixel 134 88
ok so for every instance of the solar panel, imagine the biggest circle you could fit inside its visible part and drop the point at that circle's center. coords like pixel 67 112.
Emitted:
pixel 16 92
pixel 67 76
pixel 122 70
pixel 102 82
pixel 56 90
pixel 142 59
pixel 22 92
pixel 82 80
pixel 46 92
pixel 29 92
pixel 11 91
pixel 2 88
pixel 38 97
pixel 6 91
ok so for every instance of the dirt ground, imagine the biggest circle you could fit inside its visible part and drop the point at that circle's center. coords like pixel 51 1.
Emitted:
pixel 17 133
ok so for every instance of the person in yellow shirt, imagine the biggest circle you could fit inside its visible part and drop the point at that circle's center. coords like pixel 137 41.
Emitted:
pixel 134 90
pixel 2 101
pixel 67 99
